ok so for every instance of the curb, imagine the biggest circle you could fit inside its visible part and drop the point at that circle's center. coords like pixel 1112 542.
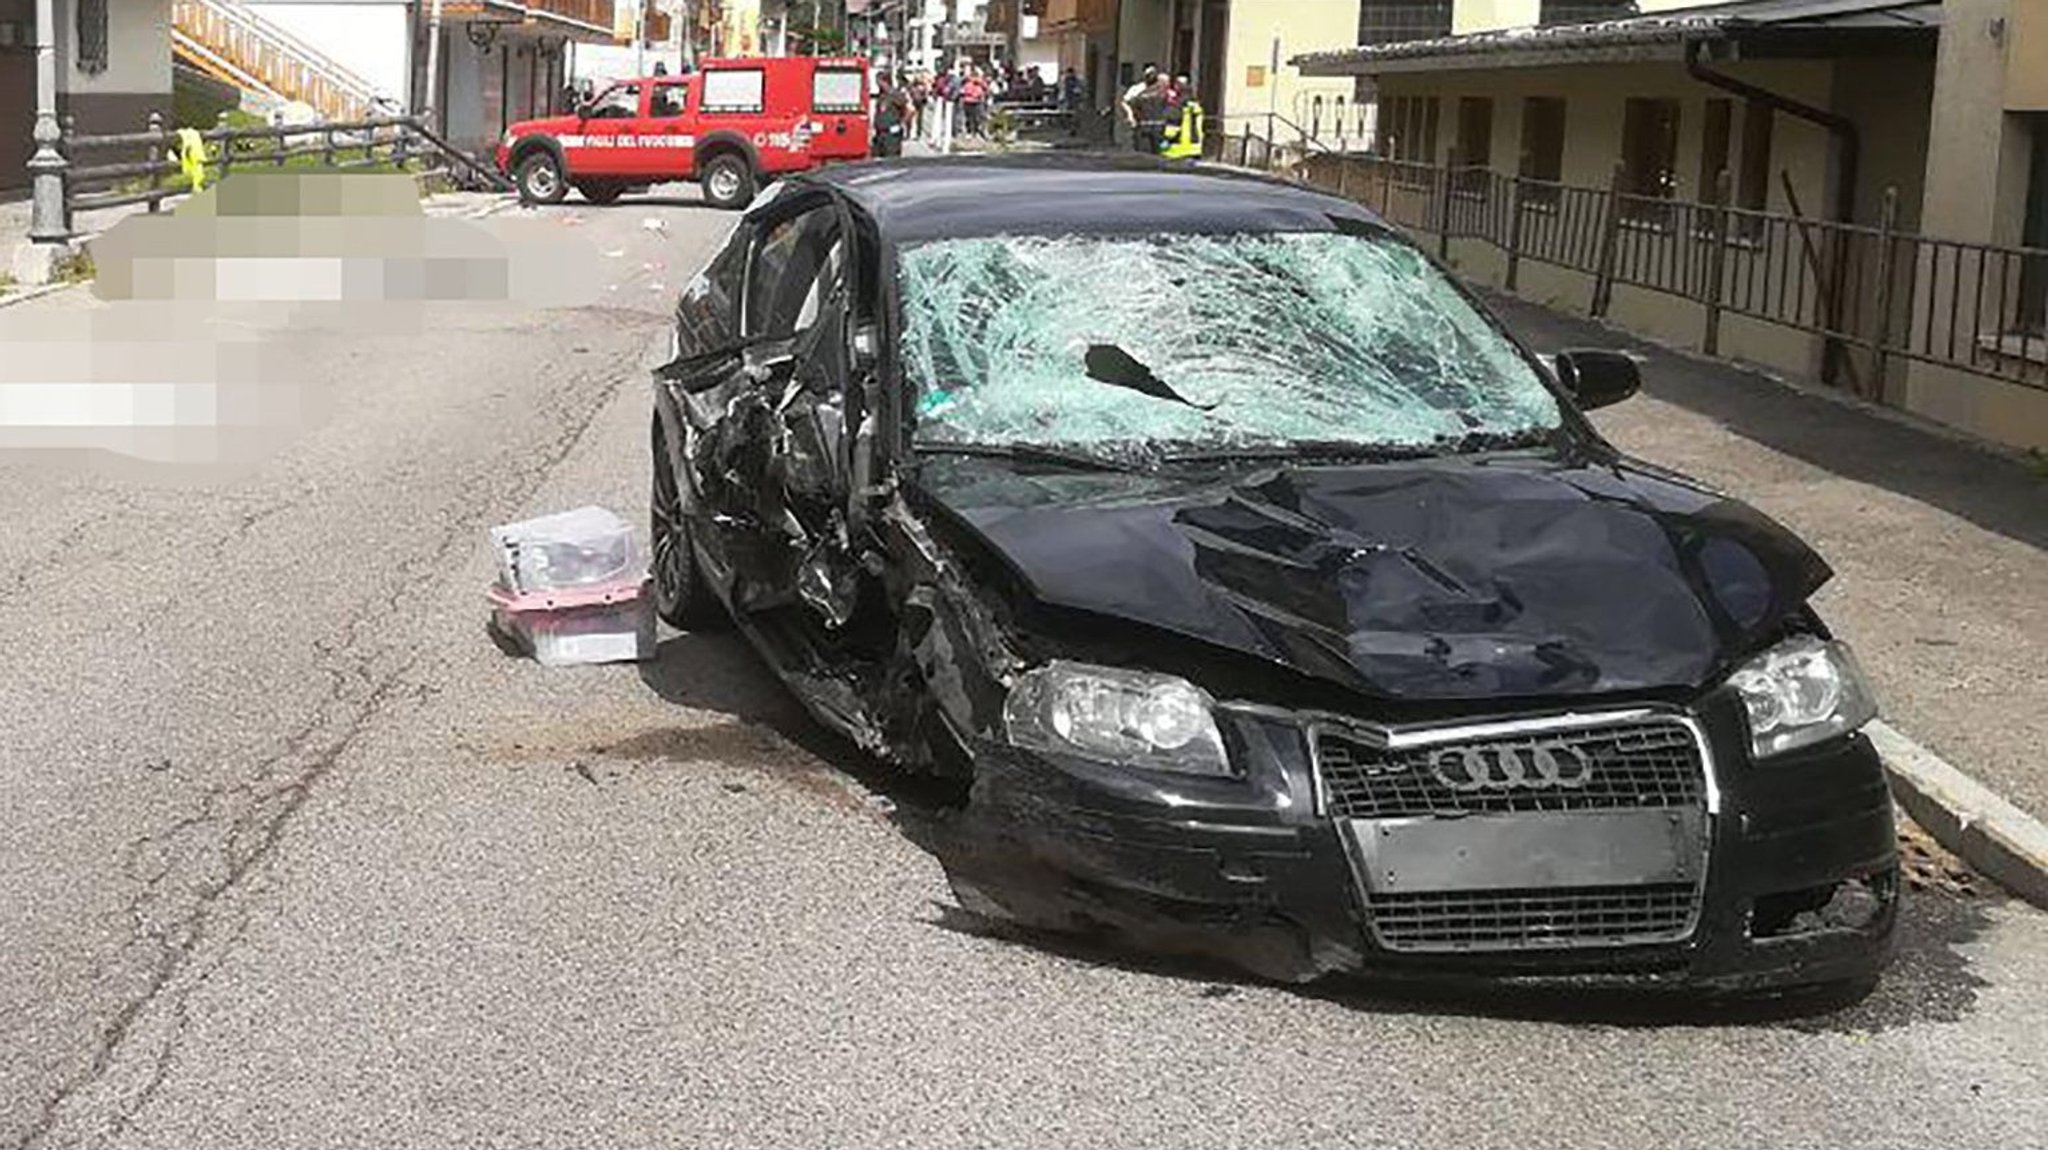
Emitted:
pixel 23 295
pixel 1964 815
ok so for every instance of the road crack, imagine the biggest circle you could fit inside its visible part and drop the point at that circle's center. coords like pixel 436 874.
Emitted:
pixel 188 914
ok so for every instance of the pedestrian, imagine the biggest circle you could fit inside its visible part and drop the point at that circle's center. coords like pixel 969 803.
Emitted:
pixel 1072 93
pixel 661 67
pixel 1184 127
pixel 1147 114
pixel 973 103
pixel 891 109
pixel 920 100
pixel 1143 105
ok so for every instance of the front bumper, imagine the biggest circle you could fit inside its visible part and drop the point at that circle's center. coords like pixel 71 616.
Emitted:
pixel 1252 871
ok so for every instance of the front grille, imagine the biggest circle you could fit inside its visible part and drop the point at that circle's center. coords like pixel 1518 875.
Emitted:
pixel 1648 763
pixel 1533 919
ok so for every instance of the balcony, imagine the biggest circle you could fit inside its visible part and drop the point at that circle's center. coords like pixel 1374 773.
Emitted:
pixel 590 15
pixel 1090 16
pixel 593 17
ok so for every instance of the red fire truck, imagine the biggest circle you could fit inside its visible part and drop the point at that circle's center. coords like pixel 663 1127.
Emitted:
pixel 729 125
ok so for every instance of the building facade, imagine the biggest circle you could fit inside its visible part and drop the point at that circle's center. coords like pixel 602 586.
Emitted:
pixel 1816 110
pixel 113 70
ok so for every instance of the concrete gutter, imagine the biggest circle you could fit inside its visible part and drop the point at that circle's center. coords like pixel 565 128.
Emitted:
pixel 1966 816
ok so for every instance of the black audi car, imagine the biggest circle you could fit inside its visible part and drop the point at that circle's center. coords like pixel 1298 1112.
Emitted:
pixel 1266 596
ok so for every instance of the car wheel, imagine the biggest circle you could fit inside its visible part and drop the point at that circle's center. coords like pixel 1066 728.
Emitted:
pixel 728 181
pixel 540 179
pixel 680 597
pixel 600 191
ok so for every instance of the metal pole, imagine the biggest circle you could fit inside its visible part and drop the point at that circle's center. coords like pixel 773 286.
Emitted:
pixel 1717 260
pixel 47 224
pixel 1887 242
pixel 1515 194
pixel 639 37
pixel 1610 233
pixel 433 62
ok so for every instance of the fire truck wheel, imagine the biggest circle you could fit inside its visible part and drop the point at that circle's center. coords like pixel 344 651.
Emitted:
pixel 601 191
pixel 540 179
pixel 728 181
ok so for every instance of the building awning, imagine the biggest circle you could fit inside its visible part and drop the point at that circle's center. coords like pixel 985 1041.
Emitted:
pixel 1750 29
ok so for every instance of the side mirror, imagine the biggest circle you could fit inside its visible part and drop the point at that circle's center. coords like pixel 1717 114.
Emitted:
pixel 1597 378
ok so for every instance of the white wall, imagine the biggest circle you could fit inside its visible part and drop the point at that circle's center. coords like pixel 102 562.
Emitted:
pixel 138 49
pixel 367 37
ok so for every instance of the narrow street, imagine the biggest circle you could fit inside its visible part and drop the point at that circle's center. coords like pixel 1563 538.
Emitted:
pixel 291 855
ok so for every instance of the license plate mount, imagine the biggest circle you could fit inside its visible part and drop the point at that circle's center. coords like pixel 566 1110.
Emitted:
pixel 1529 851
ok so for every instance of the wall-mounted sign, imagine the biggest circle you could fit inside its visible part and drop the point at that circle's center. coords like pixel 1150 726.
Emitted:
pixel 1255 76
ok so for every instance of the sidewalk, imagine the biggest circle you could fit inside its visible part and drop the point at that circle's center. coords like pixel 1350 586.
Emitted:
pixel 1940 548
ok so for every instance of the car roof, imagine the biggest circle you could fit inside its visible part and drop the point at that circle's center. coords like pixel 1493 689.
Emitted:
pixel 1059 194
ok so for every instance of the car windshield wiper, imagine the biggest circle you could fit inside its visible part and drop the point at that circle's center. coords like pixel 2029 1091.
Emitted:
pixel 1029 453
pixel 1302 449
pixel 1346 449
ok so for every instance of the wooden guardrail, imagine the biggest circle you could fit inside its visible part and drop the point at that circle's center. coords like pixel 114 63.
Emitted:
pixel 396 143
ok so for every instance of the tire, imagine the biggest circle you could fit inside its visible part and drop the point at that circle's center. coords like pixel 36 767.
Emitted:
pixel 728 181
pixel 540 179
pixel 680 596
pixel 601 191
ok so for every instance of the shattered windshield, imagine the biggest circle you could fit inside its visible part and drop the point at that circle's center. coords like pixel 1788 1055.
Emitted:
pixel 1225 342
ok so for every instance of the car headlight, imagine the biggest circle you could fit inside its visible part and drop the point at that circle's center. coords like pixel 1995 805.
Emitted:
pixel 1132 718
pixel 1800 692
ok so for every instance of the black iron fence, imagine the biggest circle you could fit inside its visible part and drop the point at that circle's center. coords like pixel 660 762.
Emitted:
pixel 1874 294
pixel 146 167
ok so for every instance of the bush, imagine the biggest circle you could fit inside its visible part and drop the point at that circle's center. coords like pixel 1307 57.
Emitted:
pixel 198 100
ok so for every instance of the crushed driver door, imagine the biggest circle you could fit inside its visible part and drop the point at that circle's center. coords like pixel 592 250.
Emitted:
pixel 769 463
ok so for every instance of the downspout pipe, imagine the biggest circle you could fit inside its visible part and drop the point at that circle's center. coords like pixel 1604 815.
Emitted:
pixel 1848 152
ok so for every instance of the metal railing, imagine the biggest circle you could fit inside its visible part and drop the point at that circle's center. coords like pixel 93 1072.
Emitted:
pixel 245 49
pixel 1874 294
pixel 154 174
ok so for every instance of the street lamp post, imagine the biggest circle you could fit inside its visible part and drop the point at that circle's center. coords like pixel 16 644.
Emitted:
pixel 433 62
pixel 47 222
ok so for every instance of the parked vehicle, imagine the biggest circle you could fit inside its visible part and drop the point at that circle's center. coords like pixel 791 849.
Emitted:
pixel 730 126
pixel 1268 597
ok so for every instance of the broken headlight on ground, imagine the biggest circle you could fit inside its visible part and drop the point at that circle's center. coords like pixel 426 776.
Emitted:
pixel 1801 692
pixel 1131 718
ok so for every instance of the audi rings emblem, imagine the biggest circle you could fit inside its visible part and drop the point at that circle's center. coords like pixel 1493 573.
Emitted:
pixel 1512 766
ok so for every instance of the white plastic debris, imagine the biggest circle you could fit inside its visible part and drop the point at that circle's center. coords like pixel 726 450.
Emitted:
pixel 571 588
pixel 580 548
pixel 654 224
pixel 605 624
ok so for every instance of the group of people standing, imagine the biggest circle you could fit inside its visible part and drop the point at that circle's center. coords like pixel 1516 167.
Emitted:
pixel 1163 114
pixel 935 106
pixel 1161 109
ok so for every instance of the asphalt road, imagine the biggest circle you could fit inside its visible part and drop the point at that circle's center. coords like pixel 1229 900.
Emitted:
pixel 292 856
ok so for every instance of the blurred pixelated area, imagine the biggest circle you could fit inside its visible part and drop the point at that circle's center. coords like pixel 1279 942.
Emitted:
pixel 171 356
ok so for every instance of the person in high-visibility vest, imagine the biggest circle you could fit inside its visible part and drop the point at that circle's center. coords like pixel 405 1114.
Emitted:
pixel 191 157
pixel 1184 140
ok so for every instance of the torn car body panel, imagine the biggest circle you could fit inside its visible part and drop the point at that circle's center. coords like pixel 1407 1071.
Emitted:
pixel 1447 688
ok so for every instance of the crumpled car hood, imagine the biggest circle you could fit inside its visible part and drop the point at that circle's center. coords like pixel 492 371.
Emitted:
pixel 1442 579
